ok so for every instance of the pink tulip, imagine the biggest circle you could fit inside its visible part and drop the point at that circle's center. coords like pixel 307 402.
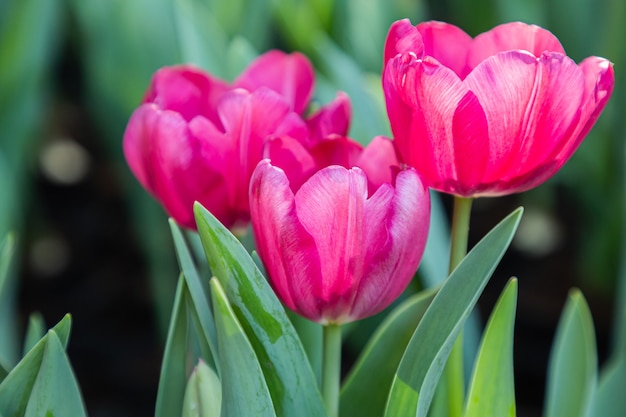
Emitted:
pixel 494 115
pixel 334 251
pixel 198 138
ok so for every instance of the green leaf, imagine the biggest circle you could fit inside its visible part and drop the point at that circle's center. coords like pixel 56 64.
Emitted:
pixel 610 400
pixel 16 388
pixel 35 331
pixel 8 344
pixel 55 392
pixel 200 302
pixel 203 396
pixel 492 389
pixel 572 371
pixel 244 391
pixel 422 363
pixel 288 374
pixel 173 372
pixel 380 358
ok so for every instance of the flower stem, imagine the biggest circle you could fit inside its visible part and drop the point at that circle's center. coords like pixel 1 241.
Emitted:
pixel 331 375
pixel 458 249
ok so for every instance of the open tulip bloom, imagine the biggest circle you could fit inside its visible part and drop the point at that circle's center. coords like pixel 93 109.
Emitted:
pixel 494 115
pixel 335 253
pixel 198 138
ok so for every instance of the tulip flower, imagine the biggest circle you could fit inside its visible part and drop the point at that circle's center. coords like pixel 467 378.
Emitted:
pixel 198 138
pixel 334 251
pixel 494 115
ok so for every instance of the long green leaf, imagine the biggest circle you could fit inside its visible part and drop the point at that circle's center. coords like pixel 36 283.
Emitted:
pixel 244 391
pixel 289 377
pixel 35 331
pixel 492 390
pixel 380 359
pixel 16 388
pixel 55 392
pixel 8 344
pixel 610 400
pixel 572 372
pixel 421 366
pixel 200 301
pixel 173 376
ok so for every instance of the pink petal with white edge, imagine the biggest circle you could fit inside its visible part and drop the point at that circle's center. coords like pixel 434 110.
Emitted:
pixel 287 250
pixel 509 37
pixel 392 264
pixel 532 106
pixel 599 84
pixel 447 43
pixel 290 75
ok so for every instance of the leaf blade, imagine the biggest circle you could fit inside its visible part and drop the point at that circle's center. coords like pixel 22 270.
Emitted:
pixel 572 370
pixel 492 388
pixel 289 376
pixel 422 363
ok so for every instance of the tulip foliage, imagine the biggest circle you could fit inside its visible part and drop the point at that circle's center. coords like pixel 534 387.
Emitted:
pixel 340 230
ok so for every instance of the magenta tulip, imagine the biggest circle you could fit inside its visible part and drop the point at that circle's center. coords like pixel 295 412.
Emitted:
pixel 494 115
pixel 198 138
pixel 335 252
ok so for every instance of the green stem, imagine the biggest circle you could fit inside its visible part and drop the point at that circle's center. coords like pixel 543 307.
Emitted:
pixel 460 230
pixel 458 249
pixel 331 375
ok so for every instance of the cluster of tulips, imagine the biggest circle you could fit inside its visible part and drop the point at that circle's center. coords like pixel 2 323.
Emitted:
pixel 340 227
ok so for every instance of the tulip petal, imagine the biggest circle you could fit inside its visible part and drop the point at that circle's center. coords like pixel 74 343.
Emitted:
pixel 186 90
pixel 330 207
pixel 402 37
pixel 379 162
pixel 336 150
pixel 599 83
pixel 512 36
pixel 333 118
pixel 403 215
pixel 288 251
pixel 249 119
pixel 447 43
pixel 532 106
pixel 290 75
pixel 166 157
pixel 422 97
pixel 292 157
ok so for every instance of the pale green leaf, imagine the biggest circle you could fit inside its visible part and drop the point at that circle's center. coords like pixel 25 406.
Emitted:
pixel 16 387
pixel 55 392
pixel 572 372
pixel 244 391
pixel 380 359
pixel 492 388
pixel 200 301
pixel 610 400
pixel 422 363
pixel 203 396
pixel 173 376
pixel 288 374
pixel 35 331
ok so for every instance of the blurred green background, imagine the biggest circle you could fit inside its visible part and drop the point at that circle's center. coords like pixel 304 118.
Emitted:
pixel 92 242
